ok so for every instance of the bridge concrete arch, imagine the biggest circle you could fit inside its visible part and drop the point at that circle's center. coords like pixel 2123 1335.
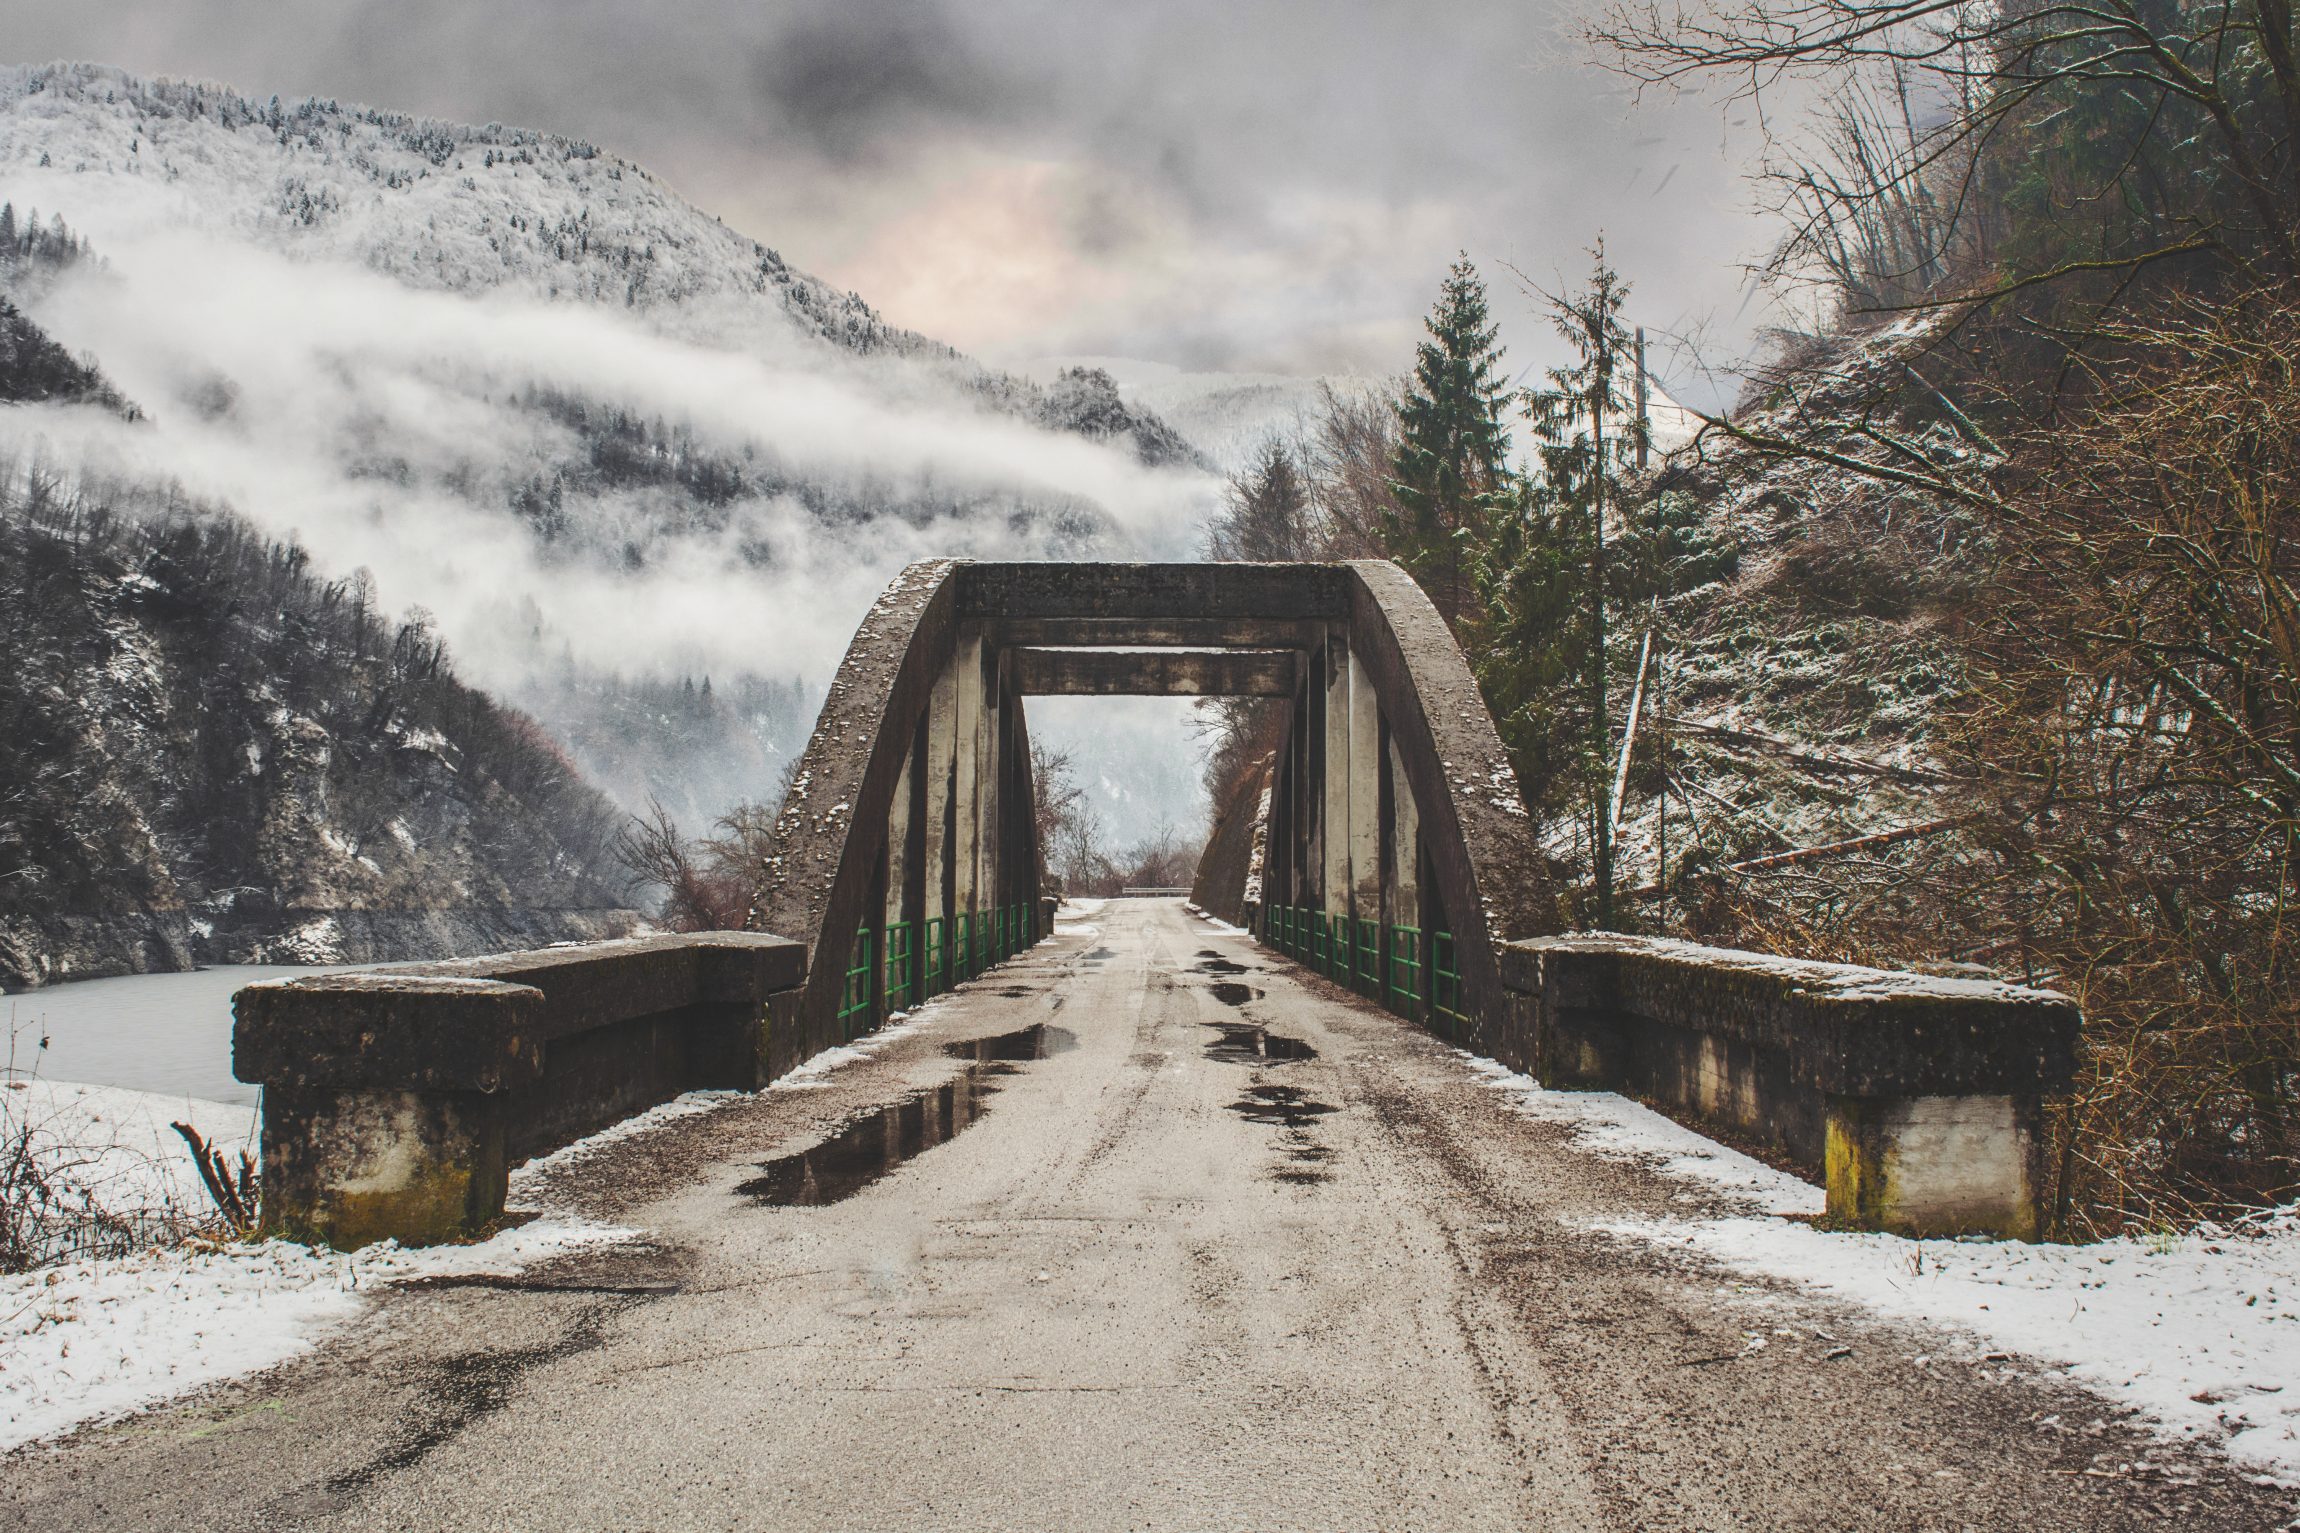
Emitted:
pixel 1394 852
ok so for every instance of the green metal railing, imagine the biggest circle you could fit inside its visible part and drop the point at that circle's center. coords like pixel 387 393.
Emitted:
pixel 900 960
pixel 923 959
pixel 856 999
pixel 1445 986
pixel 1414 973
pixel 934 952
pixel 1405 997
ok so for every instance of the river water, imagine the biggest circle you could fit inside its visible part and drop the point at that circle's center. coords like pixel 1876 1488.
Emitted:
pixel 167 1033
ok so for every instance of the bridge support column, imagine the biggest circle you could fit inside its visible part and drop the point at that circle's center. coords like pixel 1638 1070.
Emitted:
pixel 898 969
pixel 1365 795
pixel 966 823
pixel 942 804
pixel 1401 890
pixel 1334 874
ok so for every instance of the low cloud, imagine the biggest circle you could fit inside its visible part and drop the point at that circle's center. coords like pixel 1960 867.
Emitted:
pixel 384 428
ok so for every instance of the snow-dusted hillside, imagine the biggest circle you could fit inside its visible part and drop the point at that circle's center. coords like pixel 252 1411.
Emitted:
pixel 430 204
pixel 1225 416
pixel 593 432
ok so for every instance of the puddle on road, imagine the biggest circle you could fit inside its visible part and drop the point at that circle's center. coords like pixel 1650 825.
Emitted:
pixel 1230 993
pixel 1096 955
pixel 1034 1042
pixel 1218 965
pixel 1287 1106
pixel 1247 1045
pixel 1296 1115
pixel 876 1144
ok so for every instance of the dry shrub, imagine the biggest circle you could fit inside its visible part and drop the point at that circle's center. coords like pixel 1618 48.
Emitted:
pixel 2129 748
pixel 2136 714
pixel 67 1196
pixel 707 884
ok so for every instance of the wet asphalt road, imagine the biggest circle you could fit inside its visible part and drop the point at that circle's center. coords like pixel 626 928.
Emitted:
pixel 1201 1244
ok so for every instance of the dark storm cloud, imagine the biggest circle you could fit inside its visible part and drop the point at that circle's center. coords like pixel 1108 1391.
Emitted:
pixel 846 78
pixel 1252 183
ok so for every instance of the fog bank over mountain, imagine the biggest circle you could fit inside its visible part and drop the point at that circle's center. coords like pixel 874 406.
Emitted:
pixel 605 442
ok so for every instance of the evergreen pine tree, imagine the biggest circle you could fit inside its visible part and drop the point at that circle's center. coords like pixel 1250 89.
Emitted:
pixel 1590 433
pixel 1533 664
pixel 1451 476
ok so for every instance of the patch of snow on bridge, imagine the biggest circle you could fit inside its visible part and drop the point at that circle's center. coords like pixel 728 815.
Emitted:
pixel 2200 1333
pixel 1613 1126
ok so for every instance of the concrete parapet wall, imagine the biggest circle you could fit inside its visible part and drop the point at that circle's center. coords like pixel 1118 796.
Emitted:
pixel 1915 1099
pixel 397 1099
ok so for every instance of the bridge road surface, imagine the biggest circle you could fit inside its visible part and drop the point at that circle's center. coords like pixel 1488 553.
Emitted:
pixel 1120 1299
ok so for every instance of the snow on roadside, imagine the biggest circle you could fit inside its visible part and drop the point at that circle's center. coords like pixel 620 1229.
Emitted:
pixel 95 1340
pixel 1220 925
pixel 816 1072
pixel 91 1341
pixel 1617 1128
pixel 2200 1333
pixel 1074 917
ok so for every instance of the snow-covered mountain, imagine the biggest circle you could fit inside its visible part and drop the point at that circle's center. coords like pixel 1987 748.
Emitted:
pixel 609 445
pixel 433 205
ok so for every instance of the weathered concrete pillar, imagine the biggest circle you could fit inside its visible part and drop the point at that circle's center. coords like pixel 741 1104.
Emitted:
pixel 1365 795
pixel 1935 1165
pixel 1915 1100
pixel 1307 814
pixel 990 783
pixel 941 767
pixel 898 961
pixel 1334 891
pixel 1402 897
pixel 384 1102
pixel 966 821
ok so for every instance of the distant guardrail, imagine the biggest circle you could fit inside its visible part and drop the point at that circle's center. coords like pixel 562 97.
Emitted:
pixel 1131 891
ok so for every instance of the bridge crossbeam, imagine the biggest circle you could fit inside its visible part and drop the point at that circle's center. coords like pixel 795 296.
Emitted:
pixel 1157 672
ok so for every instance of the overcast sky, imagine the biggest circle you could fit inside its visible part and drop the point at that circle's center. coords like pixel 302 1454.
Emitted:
pixel 1247 185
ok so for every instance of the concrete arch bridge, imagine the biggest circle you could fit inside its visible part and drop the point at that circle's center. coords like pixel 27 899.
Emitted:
pixel 1386 851
pixel 1387 846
